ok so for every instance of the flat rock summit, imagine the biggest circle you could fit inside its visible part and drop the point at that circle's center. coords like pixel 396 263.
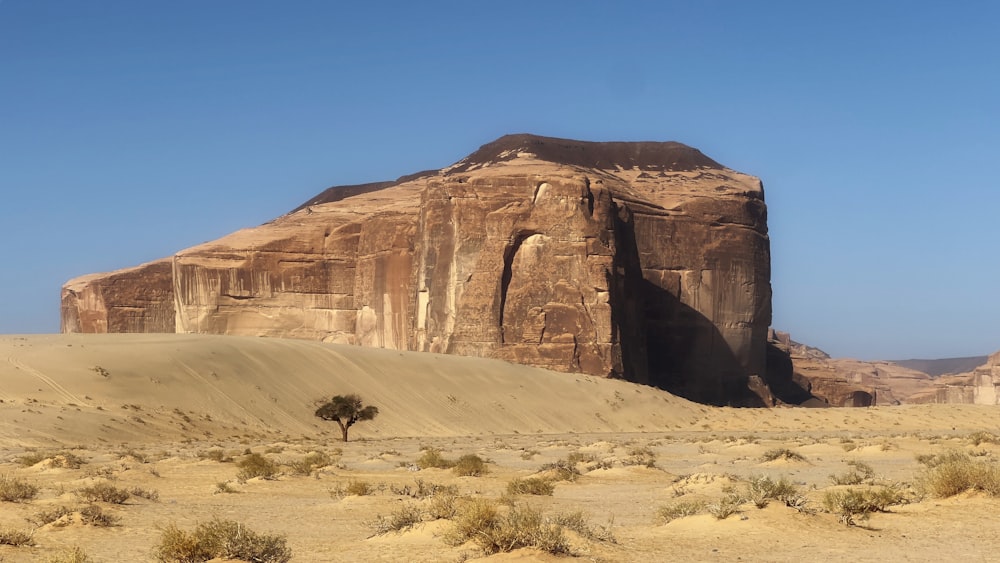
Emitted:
pixel 644 261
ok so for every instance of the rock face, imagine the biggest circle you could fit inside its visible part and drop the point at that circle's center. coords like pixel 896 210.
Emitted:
pixel 644 261
pixel 981 386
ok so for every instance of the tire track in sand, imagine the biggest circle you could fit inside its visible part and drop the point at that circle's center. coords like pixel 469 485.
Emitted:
pixel 59 389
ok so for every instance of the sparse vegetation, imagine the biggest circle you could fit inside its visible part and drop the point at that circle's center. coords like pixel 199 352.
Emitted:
pixel 580 523
pixel 782 453
pixel 432 458
pixel 953 473
pixel 561 470
pixel 401 519
pixel 216 454
pixel 983 437
pixel 680 510
pixel 310 463
pixel 346 411
pixel 859 473
pixel 761 490
pixel 640 456
pixel 71 555
pixel 226 539
pixel 495 531
pixel 64 459
pixel 148 494
pixel 15 537
pixel 470 465
pixel 103 492
pixel 530 486
pixel 13 489
pixel 95 516
pixel 256 465
pixel 726 506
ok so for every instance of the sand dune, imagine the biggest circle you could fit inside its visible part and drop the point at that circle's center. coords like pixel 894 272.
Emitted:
pixel 143 410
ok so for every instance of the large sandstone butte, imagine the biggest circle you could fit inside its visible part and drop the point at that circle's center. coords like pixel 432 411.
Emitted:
pixel 645 261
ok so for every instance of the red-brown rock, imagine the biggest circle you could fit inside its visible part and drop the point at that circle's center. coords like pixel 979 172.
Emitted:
pixel 646 261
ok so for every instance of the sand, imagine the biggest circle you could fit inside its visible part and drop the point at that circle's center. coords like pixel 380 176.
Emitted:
pixel 145 411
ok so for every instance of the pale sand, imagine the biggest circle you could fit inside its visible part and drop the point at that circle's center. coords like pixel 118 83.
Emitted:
pixel 171 397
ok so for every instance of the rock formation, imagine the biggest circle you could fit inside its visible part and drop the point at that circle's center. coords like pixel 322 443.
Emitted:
pixel 981 386
pixel 645 261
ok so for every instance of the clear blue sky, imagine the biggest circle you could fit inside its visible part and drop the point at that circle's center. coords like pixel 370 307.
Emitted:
pixel 130 130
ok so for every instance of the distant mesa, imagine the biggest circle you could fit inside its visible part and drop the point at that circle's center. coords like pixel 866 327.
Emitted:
pixel 645 261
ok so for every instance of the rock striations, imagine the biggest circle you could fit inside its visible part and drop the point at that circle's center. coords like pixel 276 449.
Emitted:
pixel 644 261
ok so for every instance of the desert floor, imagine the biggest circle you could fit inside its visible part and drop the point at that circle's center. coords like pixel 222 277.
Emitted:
pixel 176 415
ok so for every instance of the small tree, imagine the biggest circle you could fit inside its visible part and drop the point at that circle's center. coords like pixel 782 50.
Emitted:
pixel 346 410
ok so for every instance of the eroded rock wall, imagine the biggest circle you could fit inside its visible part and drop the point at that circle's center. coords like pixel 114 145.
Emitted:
pixel 651 264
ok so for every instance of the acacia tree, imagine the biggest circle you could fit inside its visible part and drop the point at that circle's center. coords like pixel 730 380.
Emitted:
pixel 346 410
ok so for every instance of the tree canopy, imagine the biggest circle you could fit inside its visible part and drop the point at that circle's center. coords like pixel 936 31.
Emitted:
pixel 346 410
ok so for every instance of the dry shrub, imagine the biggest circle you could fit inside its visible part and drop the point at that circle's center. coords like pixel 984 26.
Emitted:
pixel 310 463
pixel 680 510
pixel 640 456
pixel 72 555
pixel 54 516
pixel 148 494
pixel 859 473
pixel 782 453
pixel 431 458
pixel 399 520
pixel 983 437
pixel 215 455
pixel 761 490
pixel 224 539
pixel 13 489
pixel 256 465
pixel 94 516
pixel 579 522
pixel 442 506
pixel 857 504
pixel 481 521
pixel 530 486
pixel 423 489
pixel 68 460
pixel 104 492
pixel 579 457
pixel 14 537
pixel 956 473
pixel 726 507
pixel 223 487
pixel 470 465
pixel 561 470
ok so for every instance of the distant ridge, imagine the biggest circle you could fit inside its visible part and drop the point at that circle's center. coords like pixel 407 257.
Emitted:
pixel 944 366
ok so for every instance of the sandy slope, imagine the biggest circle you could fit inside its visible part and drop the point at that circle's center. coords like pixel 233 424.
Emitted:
pixel 173 397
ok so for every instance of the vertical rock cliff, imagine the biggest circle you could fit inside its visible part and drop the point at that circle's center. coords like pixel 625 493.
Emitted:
pixel 643 261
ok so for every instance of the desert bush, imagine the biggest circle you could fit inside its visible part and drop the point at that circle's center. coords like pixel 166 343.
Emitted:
pixel 761 490
pixel 680 510
pixel 983 437
pixel 399 520
pixel 853 504
pixel 256 465
pixel 13 489
pixel 640 456
pixel 481 521
pixel 311 462
pixel 530 486
pixel 224 539
pixel 44 517
pixel 354 487
pixel 859 473
pixel 561 470
pixel 15 537
pixel 956 473
pixel 148 494
pixel 431 458
pixel 71 555
pixel 103 492
pixel 95 516
pixel 215 455
pixel 725 507
pixel 66 459
pixel 782 453
pixel 223 487
pixel 442 506
pixel 579 457
pixel 470 465
pixel 580 523
pixel 423 489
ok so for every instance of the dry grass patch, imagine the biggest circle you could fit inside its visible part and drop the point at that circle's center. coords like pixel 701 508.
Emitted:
pixel 65 459
pixel 782 453
pixel 399 520
pixel 104 492
pixel 859 473
pixel 761 490
pixel 256 465
pixel 495 531
pixel 953 473
pixel 432 458
pixel 13 489
pixel 225 539
pixel 470 465
pixel 15 537
pixel 310 463
pixel 71 555
pixel 681 509
pixel 851 505
pixel 531 486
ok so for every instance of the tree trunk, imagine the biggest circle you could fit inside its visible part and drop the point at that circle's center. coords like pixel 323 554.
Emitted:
pixel 343 429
